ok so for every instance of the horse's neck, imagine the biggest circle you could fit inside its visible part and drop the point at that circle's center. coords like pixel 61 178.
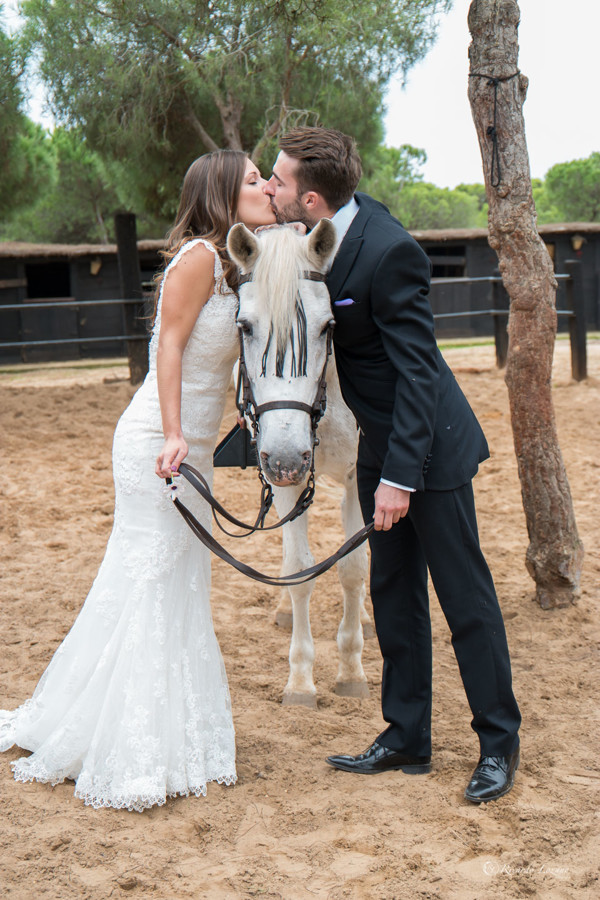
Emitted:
pixel 338 417
pixel 333 382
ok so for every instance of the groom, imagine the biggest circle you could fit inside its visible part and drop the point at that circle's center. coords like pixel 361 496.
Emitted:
pixel 420 446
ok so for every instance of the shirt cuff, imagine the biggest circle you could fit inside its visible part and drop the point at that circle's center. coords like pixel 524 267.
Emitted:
pixel 401 486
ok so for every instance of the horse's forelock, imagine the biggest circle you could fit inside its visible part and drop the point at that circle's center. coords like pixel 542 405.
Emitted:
pixel 276 276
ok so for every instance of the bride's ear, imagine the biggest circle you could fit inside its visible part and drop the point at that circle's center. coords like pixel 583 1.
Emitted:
pixel 242 247
pixel 321 244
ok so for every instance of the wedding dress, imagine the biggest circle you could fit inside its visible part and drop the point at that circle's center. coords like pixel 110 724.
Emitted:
pixel 134 705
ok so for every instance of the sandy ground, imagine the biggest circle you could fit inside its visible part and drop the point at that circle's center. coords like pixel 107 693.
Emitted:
pixel 293 827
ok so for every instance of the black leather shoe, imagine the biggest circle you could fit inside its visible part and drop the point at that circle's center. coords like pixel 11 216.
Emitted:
pixel 493 777
pixel 380 759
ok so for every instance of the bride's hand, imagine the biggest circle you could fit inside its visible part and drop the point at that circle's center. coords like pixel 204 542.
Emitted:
pixel 173 453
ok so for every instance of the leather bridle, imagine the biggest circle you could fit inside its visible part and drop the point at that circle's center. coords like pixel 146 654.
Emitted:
pixel 247 407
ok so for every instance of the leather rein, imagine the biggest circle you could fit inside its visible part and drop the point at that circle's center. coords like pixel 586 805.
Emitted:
pixel 248 407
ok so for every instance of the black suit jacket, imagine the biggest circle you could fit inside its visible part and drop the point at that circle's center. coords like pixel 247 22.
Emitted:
pixel 412 414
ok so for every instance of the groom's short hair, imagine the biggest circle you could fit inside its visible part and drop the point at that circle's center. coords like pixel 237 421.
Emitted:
pixel 327 162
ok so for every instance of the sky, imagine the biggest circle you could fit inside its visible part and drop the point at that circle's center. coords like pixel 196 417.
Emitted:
pixel 559 55
pixel 558 51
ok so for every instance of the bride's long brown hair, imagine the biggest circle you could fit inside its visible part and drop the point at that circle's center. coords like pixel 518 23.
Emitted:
pixel 208 208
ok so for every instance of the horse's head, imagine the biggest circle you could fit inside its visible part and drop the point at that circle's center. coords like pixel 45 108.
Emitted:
pixel 285 321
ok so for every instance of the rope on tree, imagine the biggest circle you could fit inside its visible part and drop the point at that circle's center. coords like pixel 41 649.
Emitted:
pixel 492 133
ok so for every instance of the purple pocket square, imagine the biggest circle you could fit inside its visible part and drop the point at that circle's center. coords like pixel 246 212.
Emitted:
pixel 347 302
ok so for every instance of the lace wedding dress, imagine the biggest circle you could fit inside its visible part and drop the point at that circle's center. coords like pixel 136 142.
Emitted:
pixel 134 705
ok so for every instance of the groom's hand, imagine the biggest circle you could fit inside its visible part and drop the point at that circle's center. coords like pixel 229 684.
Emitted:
pixel 391 504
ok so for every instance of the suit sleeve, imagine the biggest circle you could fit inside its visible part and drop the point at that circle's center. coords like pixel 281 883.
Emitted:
pixel 401 311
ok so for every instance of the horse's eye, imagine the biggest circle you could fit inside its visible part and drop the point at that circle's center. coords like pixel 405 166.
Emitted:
pixel 245 326
pixel 327 326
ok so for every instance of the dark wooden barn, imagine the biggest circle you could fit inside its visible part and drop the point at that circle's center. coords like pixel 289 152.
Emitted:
pixel 61 273
pixel 465 253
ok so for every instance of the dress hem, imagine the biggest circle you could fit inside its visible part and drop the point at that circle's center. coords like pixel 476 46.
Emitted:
pixel 132 803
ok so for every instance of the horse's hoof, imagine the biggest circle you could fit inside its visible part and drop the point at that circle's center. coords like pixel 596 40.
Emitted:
pixel 368 630
pixel 358 689
pixel 284 620
pixel 296 698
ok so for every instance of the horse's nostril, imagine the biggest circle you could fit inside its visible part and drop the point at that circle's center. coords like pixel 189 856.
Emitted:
pixel 264 456
pixel 306 456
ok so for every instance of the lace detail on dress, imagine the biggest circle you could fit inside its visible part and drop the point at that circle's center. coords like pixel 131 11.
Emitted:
pixel 134 706
pixel 135 795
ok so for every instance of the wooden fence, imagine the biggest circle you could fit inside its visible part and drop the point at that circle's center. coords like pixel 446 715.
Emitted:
pixel 499 310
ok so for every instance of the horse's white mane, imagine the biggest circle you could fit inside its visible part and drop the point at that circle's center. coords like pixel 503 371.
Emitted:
pixel 276 277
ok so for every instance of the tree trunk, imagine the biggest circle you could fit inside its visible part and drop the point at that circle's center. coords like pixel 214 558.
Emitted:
pixel 231 117
pixel 555 553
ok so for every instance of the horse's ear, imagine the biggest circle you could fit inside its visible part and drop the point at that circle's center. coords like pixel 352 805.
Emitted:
pixel 321 244
pixel 242 246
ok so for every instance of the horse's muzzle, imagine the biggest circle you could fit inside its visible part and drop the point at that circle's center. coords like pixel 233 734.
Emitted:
pixel 284 472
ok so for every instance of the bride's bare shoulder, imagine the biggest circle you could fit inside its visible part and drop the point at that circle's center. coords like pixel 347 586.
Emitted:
pixel 190 277
pixel 197 255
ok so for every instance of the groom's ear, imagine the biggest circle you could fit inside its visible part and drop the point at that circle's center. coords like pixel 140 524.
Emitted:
pixel 242 247
pixel 321 244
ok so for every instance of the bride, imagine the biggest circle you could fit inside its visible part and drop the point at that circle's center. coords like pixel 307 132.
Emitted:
pixel 134 706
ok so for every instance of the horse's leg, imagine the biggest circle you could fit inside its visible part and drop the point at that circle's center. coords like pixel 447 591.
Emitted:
pixel 300 689
pixel 337 454
pixel 352 572
pixel 353 522
pixel 368 629
pixel 283 613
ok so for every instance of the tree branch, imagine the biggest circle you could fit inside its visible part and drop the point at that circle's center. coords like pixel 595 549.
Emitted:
pixel 199 128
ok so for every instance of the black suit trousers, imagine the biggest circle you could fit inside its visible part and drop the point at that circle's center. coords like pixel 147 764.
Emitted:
pixel 440 534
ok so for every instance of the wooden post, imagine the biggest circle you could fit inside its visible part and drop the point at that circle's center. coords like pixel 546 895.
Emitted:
pixel 500 300
pixel 497 92
pixel 130 278
pixel 577 329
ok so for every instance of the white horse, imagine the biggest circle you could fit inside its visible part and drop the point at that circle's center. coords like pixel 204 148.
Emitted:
pixel 285 317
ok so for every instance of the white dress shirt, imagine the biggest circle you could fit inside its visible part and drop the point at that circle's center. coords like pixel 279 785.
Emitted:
pixel 342 220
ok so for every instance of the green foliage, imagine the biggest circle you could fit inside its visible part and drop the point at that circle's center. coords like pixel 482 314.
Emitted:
pixel 545 209
pixel 573 189
pixel 25 163
pixel 142 89
pixel 392 175
pixel 418 204
pixel 570 192
pixel 79 200
pixel 155 84
pixel 478 191
pixel 386 170
pixel 422 206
